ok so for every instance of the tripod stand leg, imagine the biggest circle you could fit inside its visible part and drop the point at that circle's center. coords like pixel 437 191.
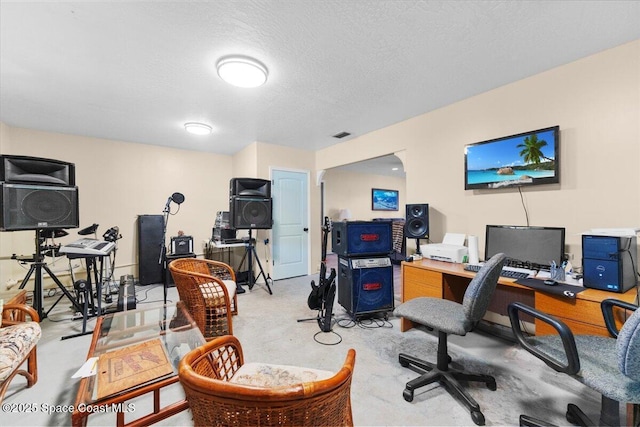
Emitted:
pixel 266 281
pixel 63 289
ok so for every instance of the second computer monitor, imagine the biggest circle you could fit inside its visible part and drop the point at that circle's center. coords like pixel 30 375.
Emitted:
pixel 530 247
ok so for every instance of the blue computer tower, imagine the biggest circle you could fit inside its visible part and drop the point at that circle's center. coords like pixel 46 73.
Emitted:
pixel 608 262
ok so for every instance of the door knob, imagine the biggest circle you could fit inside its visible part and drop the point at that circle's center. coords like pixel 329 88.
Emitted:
pixel 306 229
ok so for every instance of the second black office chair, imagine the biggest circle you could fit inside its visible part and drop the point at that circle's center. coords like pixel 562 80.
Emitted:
pixel 450 317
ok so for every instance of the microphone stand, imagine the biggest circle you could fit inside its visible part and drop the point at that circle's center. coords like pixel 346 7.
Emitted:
pixel 163 247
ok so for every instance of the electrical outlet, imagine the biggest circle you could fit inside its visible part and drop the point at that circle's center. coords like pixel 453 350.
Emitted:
pixel 266 241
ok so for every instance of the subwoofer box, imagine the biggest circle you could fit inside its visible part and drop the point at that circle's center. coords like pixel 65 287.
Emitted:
pixel 250 213
pixel 365 285
pixel 38 207
pixel 350 238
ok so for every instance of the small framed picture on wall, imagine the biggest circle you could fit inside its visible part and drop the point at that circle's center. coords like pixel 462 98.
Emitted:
pixel 384 200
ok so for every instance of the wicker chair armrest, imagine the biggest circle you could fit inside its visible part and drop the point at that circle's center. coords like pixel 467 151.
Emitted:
pixel 13 314
pixel 607 307
pixel 218 359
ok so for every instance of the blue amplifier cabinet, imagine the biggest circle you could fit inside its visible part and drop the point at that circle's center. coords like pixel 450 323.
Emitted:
pixel 608 262
pixel 365 285
pixel 357 238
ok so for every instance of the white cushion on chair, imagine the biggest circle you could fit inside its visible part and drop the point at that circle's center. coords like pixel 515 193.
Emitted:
pixel 16 342
pixel 267 375
pixel 231 287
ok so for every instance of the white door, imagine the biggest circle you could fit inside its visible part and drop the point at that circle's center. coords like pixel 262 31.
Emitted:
pixel 290 233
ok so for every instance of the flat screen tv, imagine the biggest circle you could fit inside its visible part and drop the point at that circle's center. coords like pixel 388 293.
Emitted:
pixel 528 247
pixel 527 158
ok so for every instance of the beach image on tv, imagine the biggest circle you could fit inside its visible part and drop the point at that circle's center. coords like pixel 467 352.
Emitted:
pixel 512 161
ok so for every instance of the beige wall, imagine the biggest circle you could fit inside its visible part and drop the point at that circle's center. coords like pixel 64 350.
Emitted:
pixel 352 190
pixel 596 103
pixel 118 181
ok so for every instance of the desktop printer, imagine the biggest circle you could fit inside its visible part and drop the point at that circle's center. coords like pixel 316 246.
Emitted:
pixel 451 249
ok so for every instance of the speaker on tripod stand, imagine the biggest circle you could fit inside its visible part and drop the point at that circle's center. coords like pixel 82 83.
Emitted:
pixel 249 209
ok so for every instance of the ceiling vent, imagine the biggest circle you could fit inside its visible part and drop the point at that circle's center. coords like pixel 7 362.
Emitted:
pixel 341 135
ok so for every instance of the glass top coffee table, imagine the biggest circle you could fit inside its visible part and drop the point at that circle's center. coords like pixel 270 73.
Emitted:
pixel 136 352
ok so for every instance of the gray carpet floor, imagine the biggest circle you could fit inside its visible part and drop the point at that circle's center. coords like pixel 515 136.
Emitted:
pixel 268 329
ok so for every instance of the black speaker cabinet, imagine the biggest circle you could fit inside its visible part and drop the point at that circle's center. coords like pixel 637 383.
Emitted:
pixel 36 170
pixel 170 258
pixel 250 213
pixel 38 207
pixel 350 238
pixel 150 245
pixel 365 285
pixel 250 187
pixel 416 225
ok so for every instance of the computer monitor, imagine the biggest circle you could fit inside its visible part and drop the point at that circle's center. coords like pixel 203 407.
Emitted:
pixel 528 247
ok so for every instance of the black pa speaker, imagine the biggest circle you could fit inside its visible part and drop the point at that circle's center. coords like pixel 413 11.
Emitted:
pixel 250 187
pixel 416 225
pixel 36 170
pixel 365 285
pixel 38 207
pixel 150 246
pixel 250 213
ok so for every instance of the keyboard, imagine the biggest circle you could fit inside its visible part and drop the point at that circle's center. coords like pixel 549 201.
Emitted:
pixel 509 272
pixel 88 247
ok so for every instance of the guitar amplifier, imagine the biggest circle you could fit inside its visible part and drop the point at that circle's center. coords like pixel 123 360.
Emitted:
pixel 365 285
pixel 182 245
pixel 349 238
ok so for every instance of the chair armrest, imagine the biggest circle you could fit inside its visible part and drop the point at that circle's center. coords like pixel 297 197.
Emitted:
pixel 219 358
pixel 12 314
pixel 568 341
pixel 607 312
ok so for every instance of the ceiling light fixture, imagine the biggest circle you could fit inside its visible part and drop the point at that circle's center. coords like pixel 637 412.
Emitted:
pixel 197 128
pixel 242 71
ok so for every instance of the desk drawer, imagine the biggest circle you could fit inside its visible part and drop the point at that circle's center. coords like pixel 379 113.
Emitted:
pixel 577 309
pixel 418 282
pixel 578 328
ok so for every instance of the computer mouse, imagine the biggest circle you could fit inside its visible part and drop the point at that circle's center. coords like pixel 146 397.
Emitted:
pixel 550 282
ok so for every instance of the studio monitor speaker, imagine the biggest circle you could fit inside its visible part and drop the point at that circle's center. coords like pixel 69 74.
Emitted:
pixel 416 225
pixel 250 213
pixel 36 170
pixel 250 187
pixel 38 207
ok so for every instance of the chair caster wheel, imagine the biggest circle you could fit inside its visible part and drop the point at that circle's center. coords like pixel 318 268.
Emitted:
pixel 477 418
pixel 408 395
pixel 492 385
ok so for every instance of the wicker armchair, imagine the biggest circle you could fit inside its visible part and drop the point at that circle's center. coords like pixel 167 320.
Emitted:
pixel 215 378
pixel 18 340
pixel 208 290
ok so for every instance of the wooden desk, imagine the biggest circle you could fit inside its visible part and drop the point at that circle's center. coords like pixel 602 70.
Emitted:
pixel 446 280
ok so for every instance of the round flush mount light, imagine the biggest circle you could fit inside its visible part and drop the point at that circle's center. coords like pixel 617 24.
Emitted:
pixel 242 71
pixel 197 128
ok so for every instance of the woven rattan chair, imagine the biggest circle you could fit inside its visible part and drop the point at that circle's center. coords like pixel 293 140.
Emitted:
pixel 208 290
pixel 223 391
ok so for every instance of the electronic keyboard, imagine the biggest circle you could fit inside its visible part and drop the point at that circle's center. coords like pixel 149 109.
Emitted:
pixel 88 247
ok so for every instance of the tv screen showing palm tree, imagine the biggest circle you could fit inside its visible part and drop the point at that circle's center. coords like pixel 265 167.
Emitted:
pixel 524 159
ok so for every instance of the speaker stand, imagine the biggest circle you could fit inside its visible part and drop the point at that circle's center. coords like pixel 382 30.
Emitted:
pixel 249 253
pixel 37 267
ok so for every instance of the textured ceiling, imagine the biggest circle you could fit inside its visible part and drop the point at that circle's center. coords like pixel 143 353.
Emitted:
pixel 137 71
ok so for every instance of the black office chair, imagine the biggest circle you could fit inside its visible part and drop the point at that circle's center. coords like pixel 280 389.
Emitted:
pixel 450 317
pixel 610 366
